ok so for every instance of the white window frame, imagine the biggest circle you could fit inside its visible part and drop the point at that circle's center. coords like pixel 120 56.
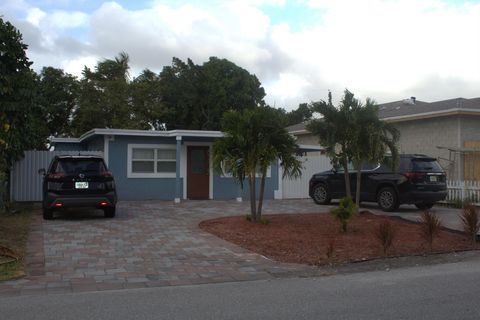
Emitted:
pixel 131 174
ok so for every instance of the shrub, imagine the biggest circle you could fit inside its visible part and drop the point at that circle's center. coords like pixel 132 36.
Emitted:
pixel 248 217
pixel 345 211
pixel 385 233
pixel 470 222
pixel 431 225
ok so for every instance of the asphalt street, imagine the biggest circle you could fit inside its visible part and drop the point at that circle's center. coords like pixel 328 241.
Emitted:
pixel 448 291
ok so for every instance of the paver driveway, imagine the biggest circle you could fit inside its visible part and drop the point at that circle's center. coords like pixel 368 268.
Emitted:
pixel 154 243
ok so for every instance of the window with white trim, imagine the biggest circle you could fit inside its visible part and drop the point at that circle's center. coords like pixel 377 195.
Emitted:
pixel 152 161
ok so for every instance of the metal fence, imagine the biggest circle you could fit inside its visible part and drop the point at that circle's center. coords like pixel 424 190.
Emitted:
pixel 26 182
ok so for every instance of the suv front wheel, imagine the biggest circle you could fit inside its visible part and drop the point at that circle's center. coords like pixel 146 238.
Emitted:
pixel 320 194
pixel 387 199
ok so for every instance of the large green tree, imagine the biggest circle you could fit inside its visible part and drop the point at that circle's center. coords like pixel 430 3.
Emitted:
pixel 200 94
pixel 104 97
pixel 17 91
pixel 57 95
pixel 149 109
pixel 336 131
pixel 303 113
pixel 254 139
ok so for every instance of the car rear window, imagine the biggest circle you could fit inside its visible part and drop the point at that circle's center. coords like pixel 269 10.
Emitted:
pixel 425 165
pixel 76 166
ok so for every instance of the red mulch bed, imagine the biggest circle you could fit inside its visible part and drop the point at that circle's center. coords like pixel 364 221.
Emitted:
pixel 305 238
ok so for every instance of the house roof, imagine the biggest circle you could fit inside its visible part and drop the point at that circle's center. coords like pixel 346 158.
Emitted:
pixel 409 109
pixel 142 133
pixel 412 109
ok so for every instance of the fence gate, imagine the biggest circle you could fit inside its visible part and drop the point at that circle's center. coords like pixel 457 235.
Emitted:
pixel 298 188
pixel 25 182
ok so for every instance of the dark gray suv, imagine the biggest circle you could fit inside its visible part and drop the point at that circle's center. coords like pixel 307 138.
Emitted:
pixel 78 181
pixel 419 180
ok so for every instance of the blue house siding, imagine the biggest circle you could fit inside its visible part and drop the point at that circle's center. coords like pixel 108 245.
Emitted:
pixel 227 188
pixel 94 144
pixel 137 188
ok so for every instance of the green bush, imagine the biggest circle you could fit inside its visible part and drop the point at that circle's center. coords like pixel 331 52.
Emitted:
pixel 345 211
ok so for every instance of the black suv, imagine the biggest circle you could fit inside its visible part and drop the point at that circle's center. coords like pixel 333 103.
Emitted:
pixel 78 181
pixel 419 180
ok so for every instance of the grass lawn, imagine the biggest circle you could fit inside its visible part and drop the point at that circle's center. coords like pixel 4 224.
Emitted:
pixel 14 229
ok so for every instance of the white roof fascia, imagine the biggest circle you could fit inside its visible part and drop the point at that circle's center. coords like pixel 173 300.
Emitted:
pixel 64 140
pixel 144 133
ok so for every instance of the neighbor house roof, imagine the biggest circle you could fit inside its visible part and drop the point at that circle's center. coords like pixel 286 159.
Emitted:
pixel 412 109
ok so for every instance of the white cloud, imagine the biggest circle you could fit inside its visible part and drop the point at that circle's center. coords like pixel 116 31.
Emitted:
pixel 35 15
pixel 384 49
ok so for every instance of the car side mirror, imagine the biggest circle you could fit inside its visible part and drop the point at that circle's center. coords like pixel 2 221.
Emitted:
pixel 42 171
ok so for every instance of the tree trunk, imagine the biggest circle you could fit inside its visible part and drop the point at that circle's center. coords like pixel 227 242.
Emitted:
pixel 262 191
pixel 347 177
pixel 357 189
pixel 253 206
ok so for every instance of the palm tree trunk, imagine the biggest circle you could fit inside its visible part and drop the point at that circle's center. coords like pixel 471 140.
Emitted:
pixel 347 177
pixel 262 191
pixel 357 189
pixel 253 206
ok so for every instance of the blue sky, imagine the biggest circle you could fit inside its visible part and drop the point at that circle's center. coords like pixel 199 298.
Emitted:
pixel 384 49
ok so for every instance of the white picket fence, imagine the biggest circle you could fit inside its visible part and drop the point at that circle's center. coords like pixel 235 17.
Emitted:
pixel 463 190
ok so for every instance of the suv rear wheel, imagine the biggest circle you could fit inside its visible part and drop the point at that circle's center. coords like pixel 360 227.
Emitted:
pixel 47 214
pixel 321 195
pixel 387 199
pixel 109 212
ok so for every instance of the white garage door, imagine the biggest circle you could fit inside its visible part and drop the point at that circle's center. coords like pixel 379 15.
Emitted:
pixel 298 188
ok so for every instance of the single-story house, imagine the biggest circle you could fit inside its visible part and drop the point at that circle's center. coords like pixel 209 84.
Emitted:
pixel 167 165
pixel 448 130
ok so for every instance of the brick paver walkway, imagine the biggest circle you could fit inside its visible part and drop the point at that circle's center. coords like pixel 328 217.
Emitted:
pixel 148 244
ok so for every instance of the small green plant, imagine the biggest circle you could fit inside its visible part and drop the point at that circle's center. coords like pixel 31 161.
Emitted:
pixel 248 217
pixel 265 221
pixel 431 225
pixel 470 222
pixel 385 234
pixel 345 211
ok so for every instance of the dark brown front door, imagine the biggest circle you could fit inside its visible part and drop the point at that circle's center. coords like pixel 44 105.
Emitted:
pixel 198 170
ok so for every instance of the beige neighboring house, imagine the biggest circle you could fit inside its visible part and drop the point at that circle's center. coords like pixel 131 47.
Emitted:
pixel 448 130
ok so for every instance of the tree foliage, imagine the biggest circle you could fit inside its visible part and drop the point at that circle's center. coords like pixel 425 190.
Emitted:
pixel 303 113
pixel 336 131
pixel 255 138
pixel 57 94
pixel 200 94
pixel 104 97
pixel 17 91
pixel 373 138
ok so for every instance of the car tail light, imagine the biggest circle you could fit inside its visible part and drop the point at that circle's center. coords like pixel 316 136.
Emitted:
pixel 56 175
pixel 103 204
pixel 58 205
pixel 107 174
pixel 412 176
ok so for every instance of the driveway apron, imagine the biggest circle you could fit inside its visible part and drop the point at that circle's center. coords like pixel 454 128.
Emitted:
pixel 148 244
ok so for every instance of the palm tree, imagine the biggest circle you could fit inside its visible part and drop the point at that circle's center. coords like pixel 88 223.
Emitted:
pixel 373 138
pixel 254 139
pixel 335 131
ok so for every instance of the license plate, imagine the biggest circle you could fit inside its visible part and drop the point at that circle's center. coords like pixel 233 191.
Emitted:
pixel 433 178
pixel 81 185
